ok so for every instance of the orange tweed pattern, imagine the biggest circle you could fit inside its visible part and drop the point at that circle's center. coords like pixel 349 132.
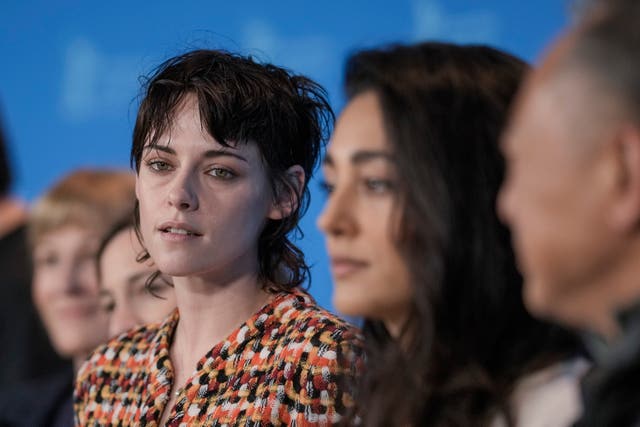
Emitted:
pixel 292 363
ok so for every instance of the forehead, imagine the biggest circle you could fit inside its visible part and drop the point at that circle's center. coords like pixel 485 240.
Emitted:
pixel 124 243
pixel 67 237
pixel 537 133
pixel 360 126
pixel 187 130
pixel 564 107
pixel 537 94
pixel 534 107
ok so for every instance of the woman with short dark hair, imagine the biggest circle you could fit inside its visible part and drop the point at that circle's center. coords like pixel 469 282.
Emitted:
pixel 223 148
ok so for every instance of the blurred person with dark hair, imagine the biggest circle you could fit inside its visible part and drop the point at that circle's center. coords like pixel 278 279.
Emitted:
pixel 26 352
pixel 223 149
pixel 130 292
pixel 65 227
pixel 572 198
pixel 412 174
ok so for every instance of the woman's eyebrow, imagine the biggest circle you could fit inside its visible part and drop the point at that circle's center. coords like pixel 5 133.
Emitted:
pixel 361 156
pixel 364 156
pixel 220 153
pixel 207 154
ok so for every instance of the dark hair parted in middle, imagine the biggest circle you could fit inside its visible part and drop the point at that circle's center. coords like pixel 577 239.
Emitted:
pixel 468 338
pixel 242 101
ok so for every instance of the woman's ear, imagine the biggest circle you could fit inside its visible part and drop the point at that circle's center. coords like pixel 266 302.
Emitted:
pixel 287 196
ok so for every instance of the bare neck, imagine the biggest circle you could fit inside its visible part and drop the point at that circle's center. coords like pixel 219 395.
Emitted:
pixel 77 361
pixel 209 312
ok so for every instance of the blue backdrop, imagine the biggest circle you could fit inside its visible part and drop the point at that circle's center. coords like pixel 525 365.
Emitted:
pixel 69 71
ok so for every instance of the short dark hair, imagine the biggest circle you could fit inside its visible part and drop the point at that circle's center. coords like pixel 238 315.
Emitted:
pixel 241 100
pixel 468 338
pixel 5 166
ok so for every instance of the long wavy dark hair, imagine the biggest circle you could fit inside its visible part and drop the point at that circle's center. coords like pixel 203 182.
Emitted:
pixel 243 101
pixel 468 338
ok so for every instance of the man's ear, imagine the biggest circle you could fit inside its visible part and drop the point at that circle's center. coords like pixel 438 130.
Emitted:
pixel 625 212
pixel 287 196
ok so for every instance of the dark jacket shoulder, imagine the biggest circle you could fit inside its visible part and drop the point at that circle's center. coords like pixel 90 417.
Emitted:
pixel 38 402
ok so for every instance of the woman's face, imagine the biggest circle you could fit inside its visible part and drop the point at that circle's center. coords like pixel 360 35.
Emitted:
pixel 65 290
pixel 123 292
pixel 202 205
pixel 371 279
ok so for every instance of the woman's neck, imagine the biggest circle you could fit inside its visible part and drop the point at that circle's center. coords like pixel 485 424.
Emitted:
pixel 209 312
pixel 77 360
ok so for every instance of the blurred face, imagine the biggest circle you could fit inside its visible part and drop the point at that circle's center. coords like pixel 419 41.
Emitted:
pixel 202 205
pixel 371 279
pixel 555 195
pixel 123 293
pixel 65 290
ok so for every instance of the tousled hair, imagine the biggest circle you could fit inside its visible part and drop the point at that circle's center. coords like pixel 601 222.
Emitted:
pixel 468 338
pixel 242 101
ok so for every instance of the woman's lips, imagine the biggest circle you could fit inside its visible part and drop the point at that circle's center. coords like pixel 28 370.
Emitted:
pixel 343 267
pixel 174 231
pixel 177 236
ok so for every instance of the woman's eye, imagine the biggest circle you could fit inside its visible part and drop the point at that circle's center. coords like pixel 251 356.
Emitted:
pixel 47 260
pixel 326 187
pixel 107 304
pixel 88 256
pixel 158 165
pixel 378 186
pixel 221 173
pixel 156 288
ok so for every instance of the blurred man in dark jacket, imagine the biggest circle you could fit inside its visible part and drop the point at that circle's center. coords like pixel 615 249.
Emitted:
pixel 572 198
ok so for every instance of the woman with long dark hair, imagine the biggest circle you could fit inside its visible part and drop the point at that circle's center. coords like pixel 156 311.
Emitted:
pixel 412 173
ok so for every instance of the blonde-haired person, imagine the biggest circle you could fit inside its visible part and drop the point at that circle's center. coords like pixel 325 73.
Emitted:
pixel 65 228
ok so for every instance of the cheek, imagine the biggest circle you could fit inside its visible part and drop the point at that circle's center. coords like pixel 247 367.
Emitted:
pixel 533 214
pixel 145 211
pixel 151 309
pixel 517 200
pixel 392 276
pixel 245 213
pixel 40 291
pixel 45 286
pixel 386 287
pixel 560 256
pixel 158 309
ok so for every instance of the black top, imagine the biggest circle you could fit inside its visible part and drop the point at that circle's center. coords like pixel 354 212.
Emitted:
pixel 26 352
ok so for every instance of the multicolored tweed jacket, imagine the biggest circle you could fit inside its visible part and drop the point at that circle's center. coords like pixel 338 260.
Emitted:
pixel 292 363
